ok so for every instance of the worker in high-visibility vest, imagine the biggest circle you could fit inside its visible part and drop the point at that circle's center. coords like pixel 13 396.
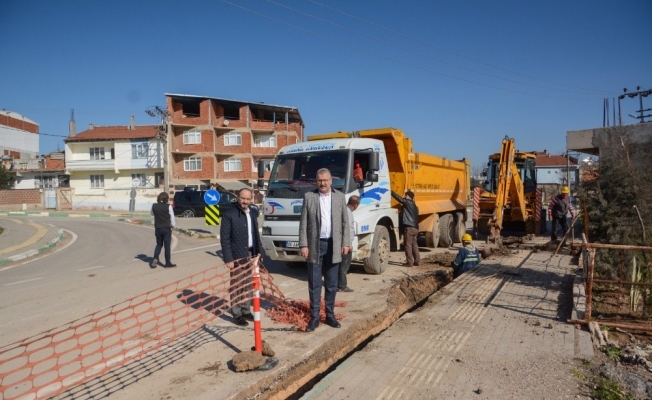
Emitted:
pixel 467 258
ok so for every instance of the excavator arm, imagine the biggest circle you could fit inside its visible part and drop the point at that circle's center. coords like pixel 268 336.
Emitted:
pixel 509 189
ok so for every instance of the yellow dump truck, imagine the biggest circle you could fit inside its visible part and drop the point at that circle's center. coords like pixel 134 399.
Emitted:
pixel 388 163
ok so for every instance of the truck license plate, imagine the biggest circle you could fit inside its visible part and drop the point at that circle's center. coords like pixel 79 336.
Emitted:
pixel 291 244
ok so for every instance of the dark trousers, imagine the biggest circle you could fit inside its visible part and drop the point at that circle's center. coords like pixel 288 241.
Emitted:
pixel 329 271
pixel 564 226
pixel 344 269
pixel 241 288
pixel 163 238
pixel 411 246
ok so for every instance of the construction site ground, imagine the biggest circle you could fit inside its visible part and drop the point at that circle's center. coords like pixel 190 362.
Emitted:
pixel 496 332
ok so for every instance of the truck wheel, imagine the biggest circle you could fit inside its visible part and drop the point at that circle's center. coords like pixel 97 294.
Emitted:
pixel 460 227
pixel 446 230
pixel 379 257
pixel 432 238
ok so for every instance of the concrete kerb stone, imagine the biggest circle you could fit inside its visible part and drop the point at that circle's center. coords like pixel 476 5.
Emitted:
pixel 63 214
pixel 31 253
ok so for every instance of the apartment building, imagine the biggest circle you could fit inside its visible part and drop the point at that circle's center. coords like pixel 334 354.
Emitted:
pixel 19 140
pixel 115 167
pixel 220 141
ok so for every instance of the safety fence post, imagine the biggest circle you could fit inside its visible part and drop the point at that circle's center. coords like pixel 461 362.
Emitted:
pixel 258 341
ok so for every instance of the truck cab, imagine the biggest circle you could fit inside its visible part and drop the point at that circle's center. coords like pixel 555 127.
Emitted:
pixel 294 173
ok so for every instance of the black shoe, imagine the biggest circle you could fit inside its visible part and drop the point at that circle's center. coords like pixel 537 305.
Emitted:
pixel 345 289
pixel 240 321
pixel 332 322
pixel 170 265
pixel 312 325
pixel 153 263
pixel 248 316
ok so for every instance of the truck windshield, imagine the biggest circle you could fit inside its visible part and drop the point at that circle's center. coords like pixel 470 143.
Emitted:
pixel 299 171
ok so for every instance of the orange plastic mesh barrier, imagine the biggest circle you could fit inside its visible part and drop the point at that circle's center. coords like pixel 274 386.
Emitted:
pixel 61 358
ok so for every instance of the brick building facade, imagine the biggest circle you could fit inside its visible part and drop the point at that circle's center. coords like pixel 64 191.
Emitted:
pixel 220 141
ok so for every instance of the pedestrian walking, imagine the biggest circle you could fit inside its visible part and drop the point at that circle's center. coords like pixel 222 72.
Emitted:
pixel 409 220
pixel 342 285
pixel 324 237
pixel 163 224
pixel 467 257
pixel 558 207
pixel 240 242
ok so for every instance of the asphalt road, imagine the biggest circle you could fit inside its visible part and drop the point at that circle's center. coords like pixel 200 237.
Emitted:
pixel 101 263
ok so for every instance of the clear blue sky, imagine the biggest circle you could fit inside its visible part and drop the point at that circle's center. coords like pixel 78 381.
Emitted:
pixel 456 76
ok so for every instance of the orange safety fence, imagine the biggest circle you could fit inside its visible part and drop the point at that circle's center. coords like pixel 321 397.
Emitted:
pixel 51 362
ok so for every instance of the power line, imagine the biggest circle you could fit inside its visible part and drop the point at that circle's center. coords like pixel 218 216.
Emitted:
pixel 419 53
pixel 393 59
pixel 453 52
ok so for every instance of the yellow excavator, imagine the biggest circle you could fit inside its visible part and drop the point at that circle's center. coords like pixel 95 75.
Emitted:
pixel 509 200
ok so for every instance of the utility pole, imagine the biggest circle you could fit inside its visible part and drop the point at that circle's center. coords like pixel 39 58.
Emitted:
pixel 640 93
pixel 162 137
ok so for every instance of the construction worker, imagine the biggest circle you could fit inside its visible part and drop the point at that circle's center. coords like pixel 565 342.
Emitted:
pixel 557 210
pixel 467 258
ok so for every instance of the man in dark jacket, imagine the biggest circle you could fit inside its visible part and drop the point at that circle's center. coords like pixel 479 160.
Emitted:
pixel 240 240
pixel 410 225
pixel 163 224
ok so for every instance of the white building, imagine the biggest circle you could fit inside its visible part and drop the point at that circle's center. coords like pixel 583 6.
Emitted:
pixel 19 138
pixel 110 166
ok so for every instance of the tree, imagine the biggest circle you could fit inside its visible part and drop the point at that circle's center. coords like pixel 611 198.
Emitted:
pixel 6 179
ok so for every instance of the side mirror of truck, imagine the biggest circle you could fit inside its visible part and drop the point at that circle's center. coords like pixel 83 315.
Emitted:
pixel 371 177
pixel 261 170
pixel 261 183
pixel 374 163
pixel 484 172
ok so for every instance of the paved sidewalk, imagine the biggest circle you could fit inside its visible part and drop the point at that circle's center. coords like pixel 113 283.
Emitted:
pixel 497 332
pixel 23 238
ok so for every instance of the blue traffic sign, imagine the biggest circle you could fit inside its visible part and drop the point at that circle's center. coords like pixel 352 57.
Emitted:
pixel 212 197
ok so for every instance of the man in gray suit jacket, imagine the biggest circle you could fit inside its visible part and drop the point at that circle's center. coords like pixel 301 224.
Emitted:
pixel 323 238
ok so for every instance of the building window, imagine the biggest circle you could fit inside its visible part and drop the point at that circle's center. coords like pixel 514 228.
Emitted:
pixel 97 181
pixel 232 139
pixel 97 153
pixel 142 179
pixel 265 141
pixel 192 164
pixel 48 182
pixel 232 164
pixel 139 150
pixel 191 137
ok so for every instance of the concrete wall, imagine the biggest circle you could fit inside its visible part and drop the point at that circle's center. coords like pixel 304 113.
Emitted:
pixel 590 140
pixel 21 141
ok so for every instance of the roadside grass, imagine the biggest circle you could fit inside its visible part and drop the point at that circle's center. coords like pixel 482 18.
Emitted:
pixel 607 389
pixel 613 353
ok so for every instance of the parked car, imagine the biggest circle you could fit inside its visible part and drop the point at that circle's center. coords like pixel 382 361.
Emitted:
pixel 190 203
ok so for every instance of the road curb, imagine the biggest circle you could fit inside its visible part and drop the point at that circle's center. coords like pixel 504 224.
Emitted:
pixel 31 253
pixel 60 214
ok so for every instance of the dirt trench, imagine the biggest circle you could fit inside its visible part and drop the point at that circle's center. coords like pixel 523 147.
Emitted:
pixel 403 295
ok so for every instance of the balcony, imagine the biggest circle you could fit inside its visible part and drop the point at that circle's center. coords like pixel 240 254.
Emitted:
pixel 90 165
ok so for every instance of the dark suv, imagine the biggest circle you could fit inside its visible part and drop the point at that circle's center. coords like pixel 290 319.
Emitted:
pixel 190 203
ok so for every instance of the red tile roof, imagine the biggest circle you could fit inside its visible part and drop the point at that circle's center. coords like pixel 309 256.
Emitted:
pixel 553 160
pixel 122 132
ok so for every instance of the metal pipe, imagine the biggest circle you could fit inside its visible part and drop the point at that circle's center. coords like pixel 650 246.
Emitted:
pixel 612 324
pixel 614 246
pixel 619 282
pixel 589 286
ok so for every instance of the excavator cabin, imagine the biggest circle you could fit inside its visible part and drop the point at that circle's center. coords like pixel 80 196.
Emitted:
pixel 509 199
